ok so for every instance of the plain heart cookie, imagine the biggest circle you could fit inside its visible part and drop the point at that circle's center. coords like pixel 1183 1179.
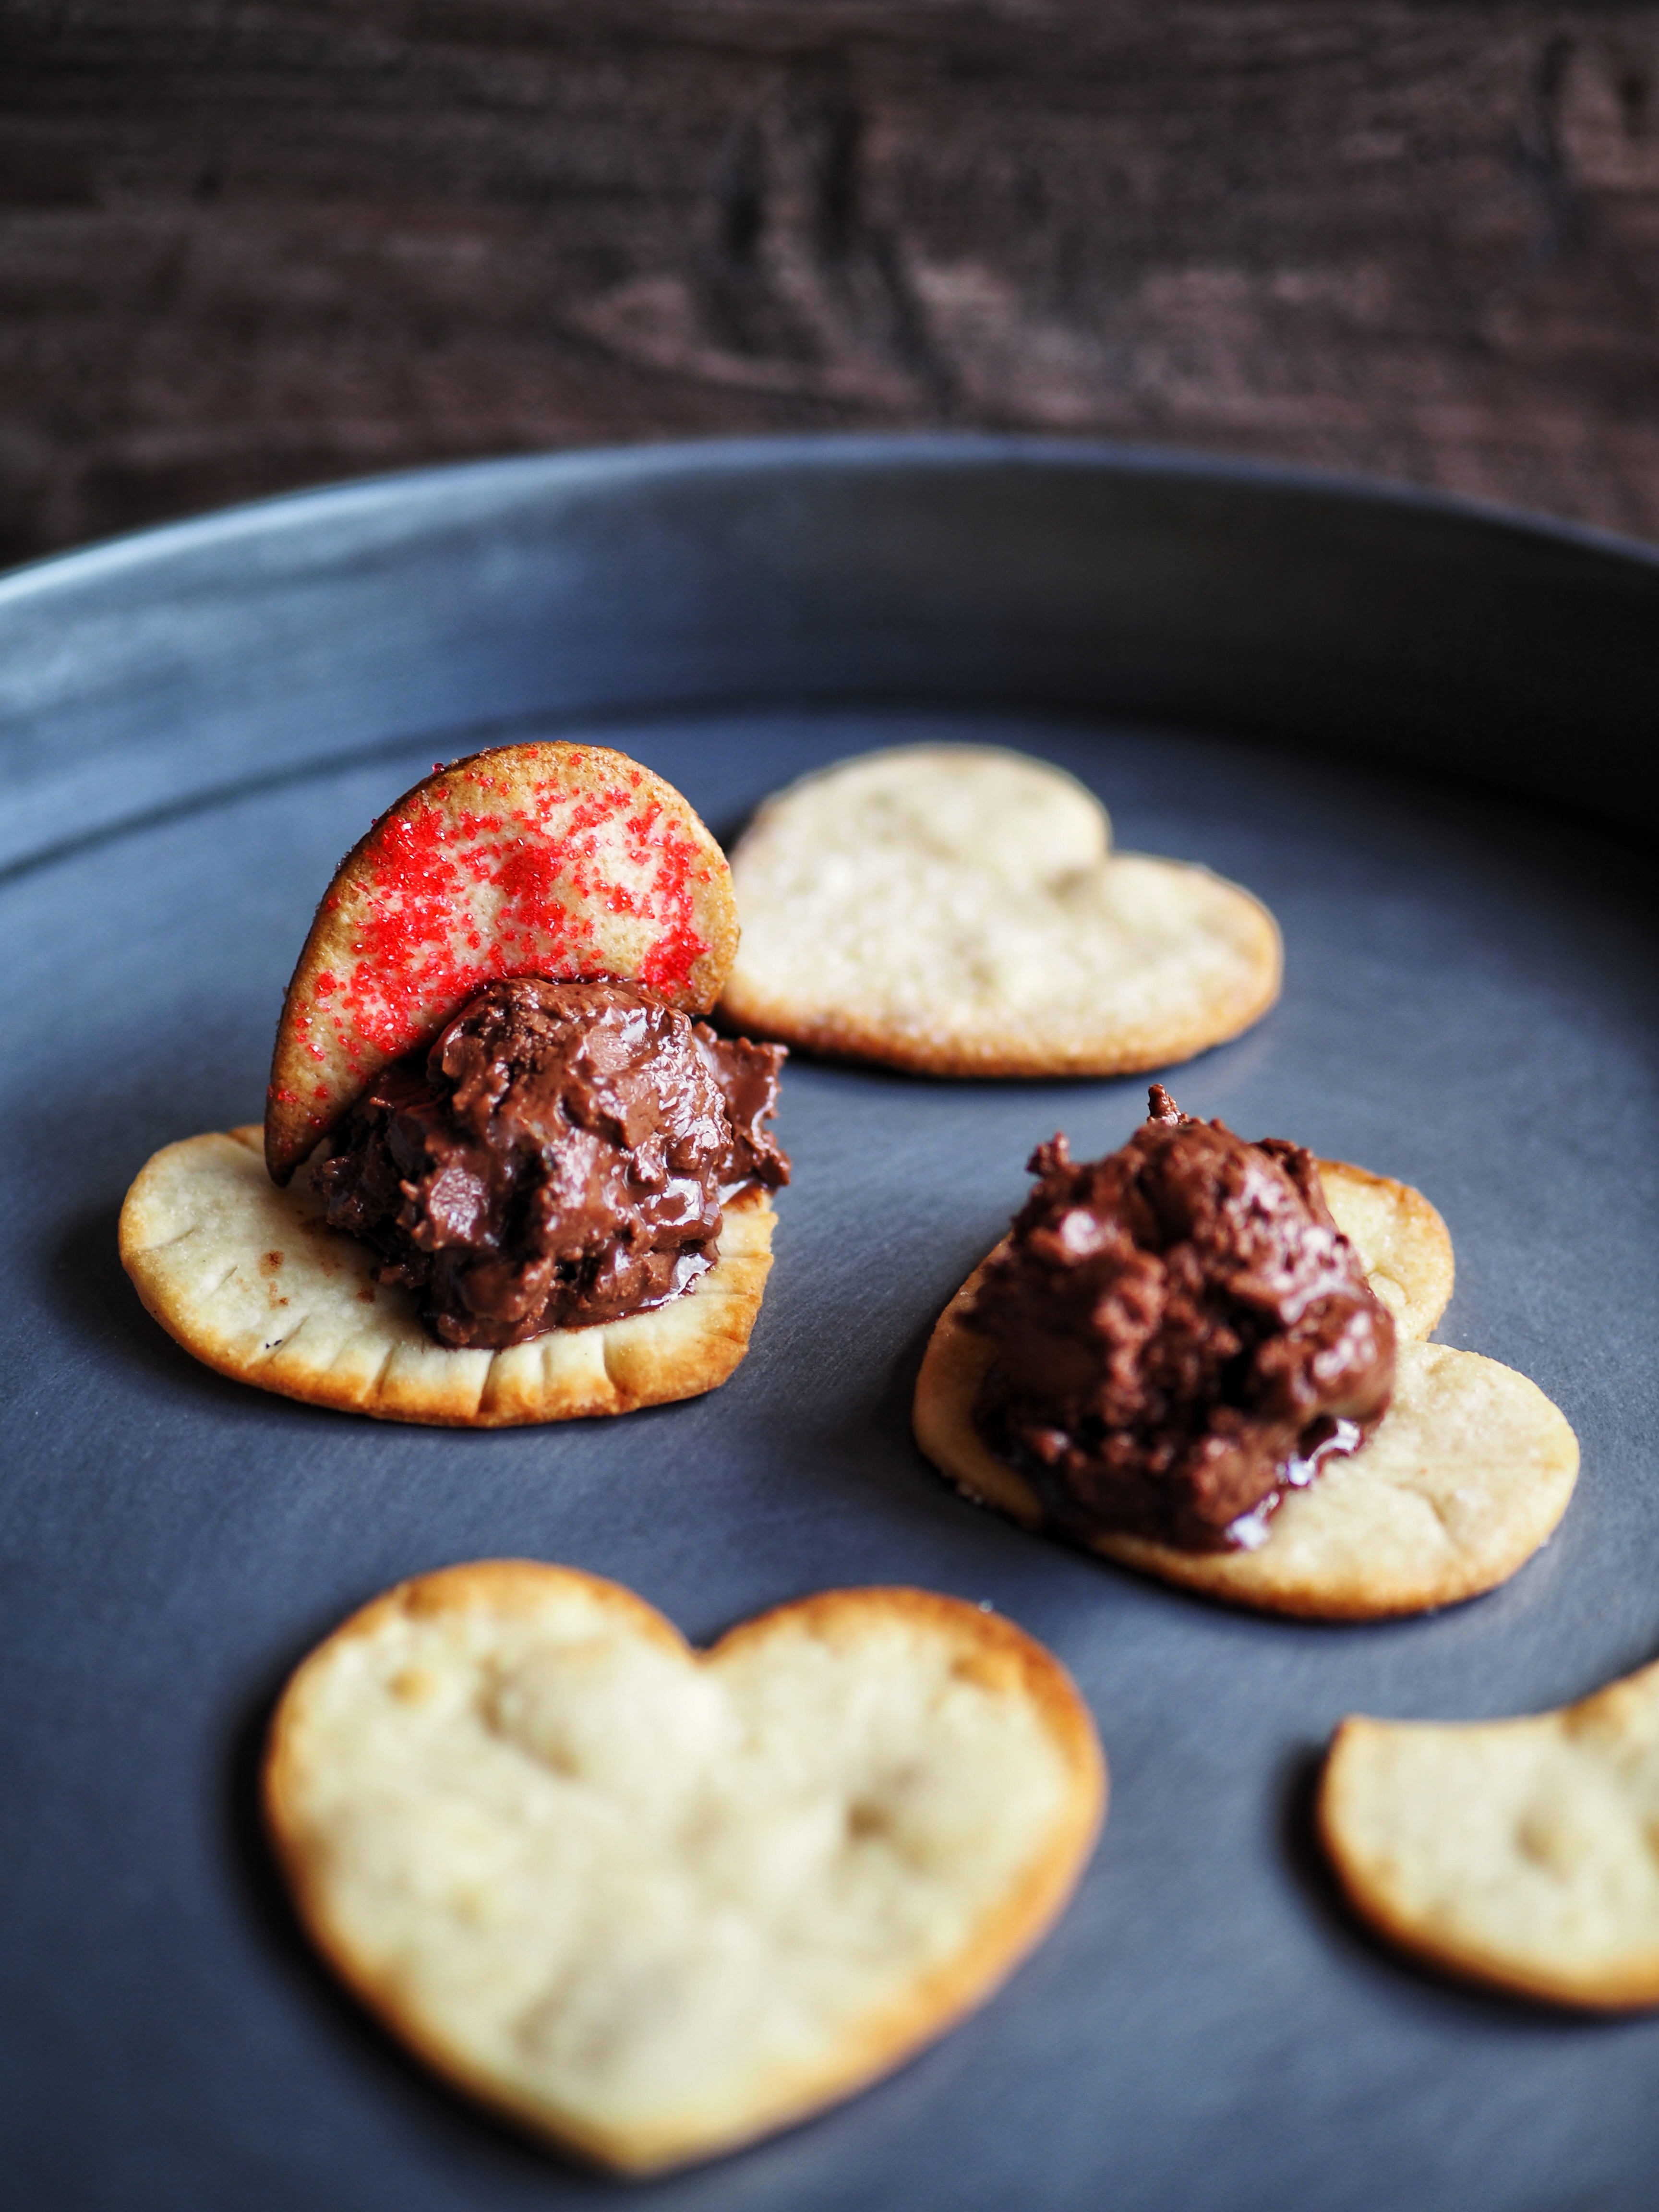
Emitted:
pixel 1520 1853
pixel 1469 1472
pixel 652 1903
pixel 957 909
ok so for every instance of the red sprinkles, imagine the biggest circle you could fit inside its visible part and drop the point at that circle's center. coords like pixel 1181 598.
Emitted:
pixel 451 900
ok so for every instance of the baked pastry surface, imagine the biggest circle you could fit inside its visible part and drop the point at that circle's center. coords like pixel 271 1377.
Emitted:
pixel 652 1903
pixel 1516 1852
pixel 957 910
pixel 248 1277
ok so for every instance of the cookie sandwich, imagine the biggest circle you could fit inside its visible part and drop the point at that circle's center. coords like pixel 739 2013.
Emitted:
pixel 1208 1359
pixel 506 1174
pixel 651 1902
pixel 959 910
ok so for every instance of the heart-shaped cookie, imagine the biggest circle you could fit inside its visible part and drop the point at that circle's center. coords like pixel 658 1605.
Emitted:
pixel 652 1903
pixel 252 1280
pixel 1518 1852
pixel 957 909
pixel 1468 1474
pixel 541 859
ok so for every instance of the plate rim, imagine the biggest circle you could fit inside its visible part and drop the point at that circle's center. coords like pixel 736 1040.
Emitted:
pixel 588 467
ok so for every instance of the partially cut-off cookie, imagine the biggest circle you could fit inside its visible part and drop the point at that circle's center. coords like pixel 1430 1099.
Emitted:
pixel 1520 1853
pixel 957 910
pixel 650 1903
pixel 561 860
pixel 250 1279
pixel 1468 1474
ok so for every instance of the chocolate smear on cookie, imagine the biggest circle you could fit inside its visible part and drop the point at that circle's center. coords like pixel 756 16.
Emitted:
pixel 1181 1333
pixel 559 1157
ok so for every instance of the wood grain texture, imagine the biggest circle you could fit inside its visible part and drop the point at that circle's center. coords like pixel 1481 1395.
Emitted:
pixel 246 246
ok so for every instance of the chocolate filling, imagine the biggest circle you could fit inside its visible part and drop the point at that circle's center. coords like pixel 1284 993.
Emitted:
pixel 1181 1333
pixel 559 1157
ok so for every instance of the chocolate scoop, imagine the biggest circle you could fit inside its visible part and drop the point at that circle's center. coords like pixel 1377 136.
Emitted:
pixel 1181 1332
pixel 559 1157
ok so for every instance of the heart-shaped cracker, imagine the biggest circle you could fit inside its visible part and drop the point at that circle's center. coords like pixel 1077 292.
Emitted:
pixel 1467 1475
pixel 251 1280
pixel 562 860
pixel 1404 1244
pixel 955 909
pixel 1519 1852
pixel 652 1903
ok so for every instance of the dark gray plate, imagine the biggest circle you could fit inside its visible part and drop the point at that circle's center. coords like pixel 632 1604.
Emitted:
pixel 1398 720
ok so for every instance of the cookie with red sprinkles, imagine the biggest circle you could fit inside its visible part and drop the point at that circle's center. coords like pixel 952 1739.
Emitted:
pixel 565 860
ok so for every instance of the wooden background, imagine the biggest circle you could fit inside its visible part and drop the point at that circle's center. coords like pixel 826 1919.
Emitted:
pixel 249 246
